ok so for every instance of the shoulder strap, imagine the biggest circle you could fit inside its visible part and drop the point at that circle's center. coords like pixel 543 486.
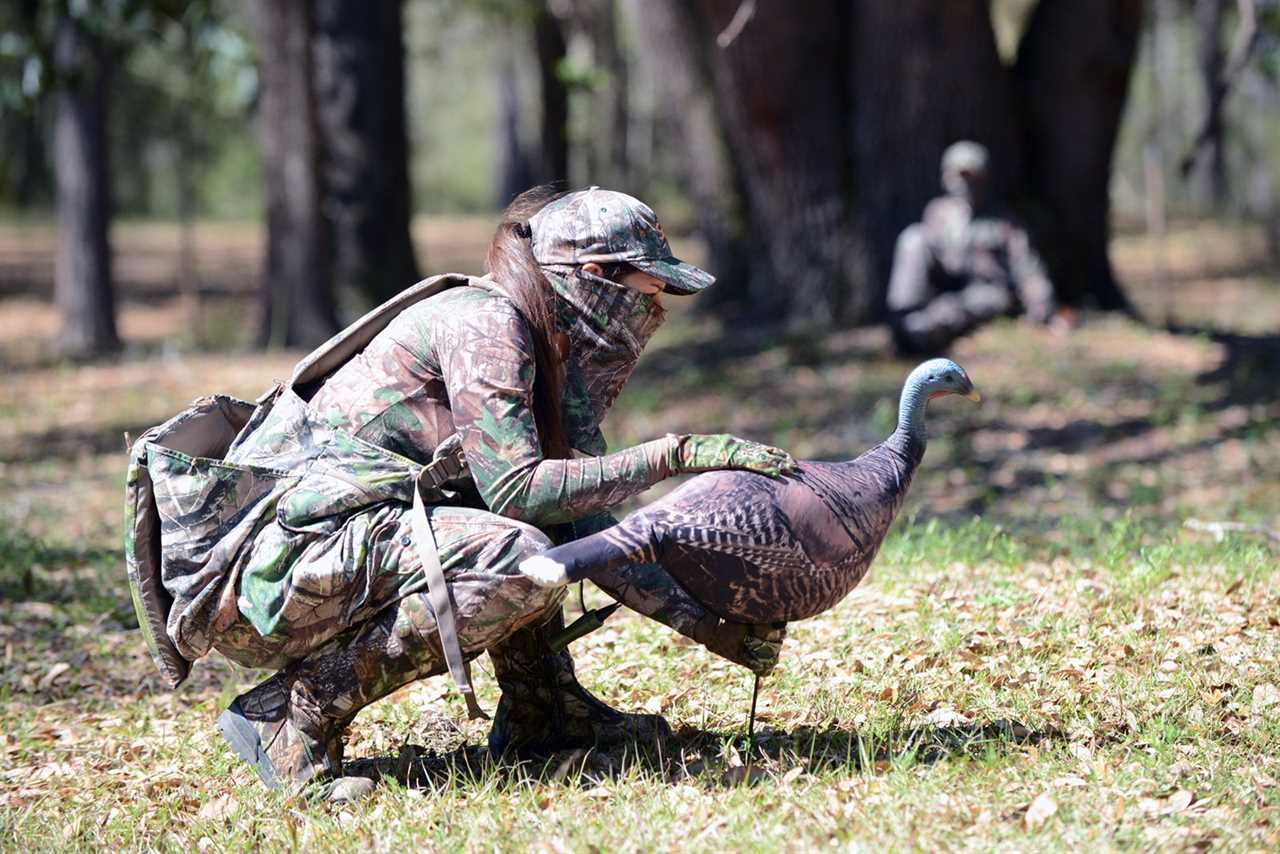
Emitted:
pixel 438 597
pixel 335 352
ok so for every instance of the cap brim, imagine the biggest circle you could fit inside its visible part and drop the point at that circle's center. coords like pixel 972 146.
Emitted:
pixel 679 276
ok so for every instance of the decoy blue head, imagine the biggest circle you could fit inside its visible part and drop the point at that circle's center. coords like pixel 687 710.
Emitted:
pixel 939 377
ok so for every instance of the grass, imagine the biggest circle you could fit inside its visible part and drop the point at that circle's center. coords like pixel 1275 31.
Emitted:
pixel 1043 656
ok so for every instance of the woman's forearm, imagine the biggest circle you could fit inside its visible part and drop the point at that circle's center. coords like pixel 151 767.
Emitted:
pixel 549 491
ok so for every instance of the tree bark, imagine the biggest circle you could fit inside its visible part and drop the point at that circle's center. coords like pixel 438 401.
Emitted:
pixel 781 79
pixel 924 75
pixel 358 57
pixel 1072 75
pixel 1209 18
pixel 551 48
pixel 671 41
pixel 515 172
pixel 297 289
pixel 82 268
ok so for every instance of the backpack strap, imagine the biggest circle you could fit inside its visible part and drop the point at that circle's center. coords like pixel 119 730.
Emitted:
pixel 438 596
pixel 339 349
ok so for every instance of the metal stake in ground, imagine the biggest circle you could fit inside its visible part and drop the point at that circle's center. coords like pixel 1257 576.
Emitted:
pixel 751 722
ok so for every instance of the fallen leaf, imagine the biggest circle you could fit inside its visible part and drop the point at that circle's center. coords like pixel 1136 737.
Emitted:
pixel 1179 801
pixel 1041 809
pixel 792 775
pixel 599 793
pixel 945 717
pixel 218 809
pixel 1264 696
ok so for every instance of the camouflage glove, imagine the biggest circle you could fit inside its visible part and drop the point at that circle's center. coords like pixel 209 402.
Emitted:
pixel 755 647
pixel 699 452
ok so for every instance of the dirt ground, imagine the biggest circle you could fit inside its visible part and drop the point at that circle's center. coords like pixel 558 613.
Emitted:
pixel 1070 484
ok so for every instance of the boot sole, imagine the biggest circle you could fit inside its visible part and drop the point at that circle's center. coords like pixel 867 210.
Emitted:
pixel 243 738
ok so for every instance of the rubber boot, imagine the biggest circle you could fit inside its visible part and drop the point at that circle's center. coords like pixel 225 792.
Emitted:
pixel 543 707
pixel 289 728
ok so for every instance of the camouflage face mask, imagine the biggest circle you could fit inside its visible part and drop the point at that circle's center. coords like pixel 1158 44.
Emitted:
pixel 608 325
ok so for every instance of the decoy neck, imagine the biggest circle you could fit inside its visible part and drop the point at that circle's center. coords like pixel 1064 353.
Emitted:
pixel 934 378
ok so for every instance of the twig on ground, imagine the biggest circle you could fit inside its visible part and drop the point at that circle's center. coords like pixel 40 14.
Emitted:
pixel 1221 529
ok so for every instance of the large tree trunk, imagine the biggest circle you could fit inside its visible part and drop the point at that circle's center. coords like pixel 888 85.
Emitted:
pixel 781 78
pixel 1072 73
pixel 359 84
pixel 925 74
pixel 551 48
pixel 672 42
pixel 82 268
pixel 297 288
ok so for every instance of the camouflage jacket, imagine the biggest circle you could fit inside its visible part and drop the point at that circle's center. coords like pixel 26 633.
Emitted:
pixel 987 246
pixel 234 516
pixel 462 362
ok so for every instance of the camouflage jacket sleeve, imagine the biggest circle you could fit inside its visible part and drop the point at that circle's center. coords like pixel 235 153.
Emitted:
pixel 487 363
pixel 1029 277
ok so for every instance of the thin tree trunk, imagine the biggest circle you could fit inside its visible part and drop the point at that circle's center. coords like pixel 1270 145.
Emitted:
pixel 82 268
pixel 1072 73
pixel 515 173
pixel 614 104
pixel 551 48
pixel 358 57
pixel 297 289
pixel 671 41
pixel 782 79
pixel 1209 18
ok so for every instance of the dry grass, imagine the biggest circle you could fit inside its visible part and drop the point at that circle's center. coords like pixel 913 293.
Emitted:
pixel 1071 668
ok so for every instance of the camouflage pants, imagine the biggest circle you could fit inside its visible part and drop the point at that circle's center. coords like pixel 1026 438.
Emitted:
pixel 929 307
pixel 379 609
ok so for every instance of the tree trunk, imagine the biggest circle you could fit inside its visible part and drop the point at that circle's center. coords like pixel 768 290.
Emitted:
pixel 82 268
pixel 671 41
pixel 1212 161
pixel 781 76
pixel 515 173
pixel 1072 75
pixel 925 74
pixel 611 121
pixel 551 48
pixel 297 288
pixel 358 58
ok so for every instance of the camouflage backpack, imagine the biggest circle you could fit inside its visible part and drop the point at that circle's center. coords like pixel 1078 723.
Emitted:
pixel 186 502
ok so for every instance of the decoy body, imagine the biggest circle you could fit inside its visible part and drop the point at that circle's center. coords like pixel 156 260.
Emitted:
pixel 755 549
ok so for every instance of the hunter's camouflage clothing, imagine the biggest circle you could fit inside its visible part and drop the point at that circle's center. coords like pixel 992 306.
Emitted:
pixel 293 545
pixel 607 227
pixel 965 263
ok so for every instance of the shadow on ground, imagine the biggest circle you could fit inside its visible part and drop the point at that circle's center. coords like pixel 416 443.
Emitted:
pixel 707 758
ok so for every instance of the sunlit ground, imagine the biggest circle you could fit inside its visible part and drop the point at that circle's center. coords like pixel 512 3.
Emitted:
pixel 1044 655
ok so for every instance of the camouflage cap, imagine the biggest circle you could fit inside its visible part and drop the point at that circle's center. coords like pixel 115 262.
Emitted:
pixel 607 227
pixel 964 156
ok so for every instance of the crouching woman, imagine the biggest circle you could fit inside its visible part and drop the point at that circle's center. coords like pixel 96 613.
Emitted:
pixel 320 562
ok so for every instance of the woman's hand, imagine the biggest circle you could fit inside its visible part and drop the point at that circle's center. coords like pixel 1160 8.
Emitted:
pixel 755 647
pixel 699 452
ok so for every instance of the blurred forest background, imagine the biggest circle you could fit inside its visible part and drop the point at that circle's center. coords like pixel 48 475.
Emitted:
pixel 218 151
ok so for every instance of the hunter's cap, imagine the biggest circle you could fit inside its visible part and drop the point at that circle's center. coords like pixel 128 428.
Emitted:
pixel 608 227
pixel 965 156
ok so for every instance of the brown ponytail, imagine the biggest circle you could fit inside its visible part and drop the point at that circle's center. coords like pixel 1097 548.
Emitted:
pixel 511 263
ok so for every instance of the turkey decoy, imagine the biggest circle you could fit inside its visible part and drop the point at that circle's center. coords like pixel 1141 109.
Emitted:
pixel 755 549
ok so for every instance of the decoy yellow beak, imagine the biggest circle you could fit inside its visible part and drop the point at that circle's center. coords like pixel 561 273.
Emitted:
pixel 974 396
